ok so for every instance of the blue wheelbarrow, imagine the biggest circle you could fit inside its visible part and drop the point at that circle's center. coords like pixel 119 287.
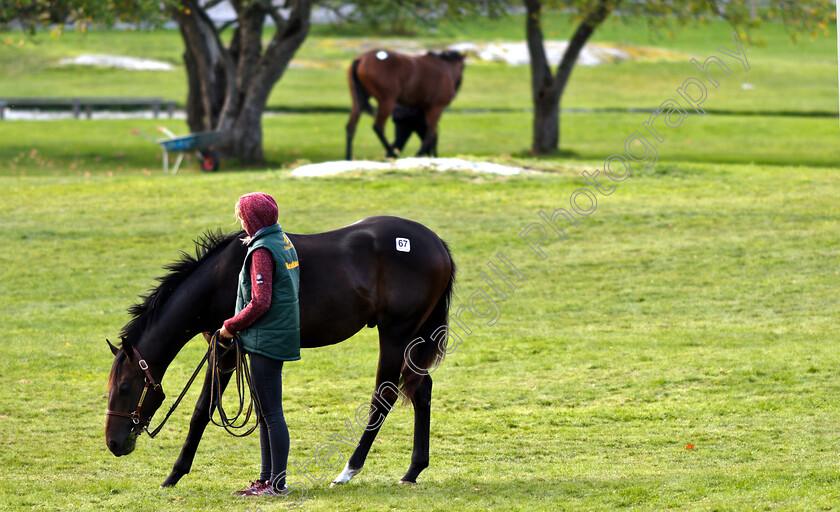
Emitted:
pixel 201 142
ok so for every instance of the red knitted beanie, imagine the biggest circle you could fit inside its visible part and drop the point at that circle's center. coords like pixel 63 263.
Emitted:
pixel 257 210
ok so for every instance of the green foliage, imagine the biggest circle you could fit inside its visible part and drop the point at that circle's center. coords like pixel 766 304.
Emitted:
pixel 83 13
pixel 409 17
pixel 809 17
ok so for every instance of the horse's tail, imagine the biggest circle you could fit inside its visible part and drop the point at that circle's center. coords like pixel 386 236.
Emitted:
pixel 423 356
pixel 360 95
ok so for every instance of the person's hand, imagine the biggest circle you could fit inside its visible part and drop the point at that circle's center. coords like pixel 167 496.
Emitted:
pixel 224 333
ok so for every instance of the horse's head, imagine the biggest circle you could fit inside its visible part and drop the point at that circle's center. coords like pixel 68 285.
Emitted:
pixel 133 397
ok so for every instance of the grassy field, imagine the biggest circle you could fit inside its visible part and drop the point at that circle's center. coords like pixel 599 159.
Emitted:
pixel 108 146
pixel 696 306
pixel 807 70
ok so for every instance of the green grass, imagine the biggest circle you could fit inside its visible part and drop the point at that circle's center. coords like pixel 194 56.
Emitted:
pixel 807 70
pixel 697 305
pixel 37 147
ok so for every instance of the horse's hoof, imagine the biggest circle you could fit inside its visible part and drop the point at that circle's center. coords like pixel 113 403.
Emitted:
pixel 345 475
pixel 406 482
pixel 170 481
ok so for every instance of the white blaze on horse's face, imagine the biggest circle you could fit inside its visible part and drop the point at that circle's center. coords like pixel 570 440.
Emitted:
pixel 381 55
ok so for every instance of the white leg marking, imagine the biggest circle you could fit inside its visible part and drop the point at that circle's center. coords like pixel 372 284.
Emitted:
pixel 346 474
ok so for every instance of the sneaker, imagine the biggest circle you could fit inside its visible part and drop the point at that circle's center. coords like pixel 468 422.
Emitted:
pixel 255 486
pixel 269 490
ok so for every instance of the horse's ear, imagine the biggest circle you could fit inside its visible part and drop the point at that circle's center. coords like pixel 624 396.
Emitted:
pixel 114 349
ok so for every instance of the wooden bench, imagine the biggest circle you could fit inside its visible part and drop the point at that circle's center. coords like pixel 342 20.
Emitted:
pixel 78 105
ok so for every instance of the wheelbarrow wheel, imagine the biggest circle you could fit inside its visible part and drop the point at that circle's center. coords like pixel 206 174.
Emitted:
pixel 209 161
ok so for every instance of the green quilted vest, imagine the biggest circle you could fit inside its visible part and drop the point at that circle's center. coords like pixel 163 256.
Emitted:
pixel 276 334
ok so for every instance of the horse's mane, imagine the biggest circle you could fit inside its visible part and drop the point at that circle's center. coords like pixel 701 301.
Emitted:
pixel 449 55
pixel 206 245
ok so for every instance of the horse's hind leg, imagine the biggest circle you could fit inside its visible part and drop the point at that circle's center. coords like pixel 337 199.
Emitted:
pixel 403 128
pixel 384 397
pixel 422 427
pixel 422 129
pixel 199 421
pixel 430 141
pixel 351 130
pixel 382 115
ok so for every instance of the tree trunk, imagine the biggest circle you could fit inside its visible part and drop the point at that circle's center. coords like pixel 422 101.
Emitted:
pixel 546 137
pixel 547 89
pixel 229 86
pixel 546 134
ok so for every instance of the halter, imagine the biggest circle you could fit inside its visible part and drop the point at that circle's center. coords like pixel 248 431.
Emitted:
pixel 150 382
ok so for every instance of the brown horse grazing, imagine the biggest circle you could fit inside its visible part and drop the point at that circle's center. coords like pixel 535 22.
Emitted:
pixel 428 82
pixel 387 272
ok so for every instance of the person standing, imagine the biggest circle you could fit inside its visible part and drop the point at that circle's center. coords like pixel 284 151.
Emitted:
pixel 267 320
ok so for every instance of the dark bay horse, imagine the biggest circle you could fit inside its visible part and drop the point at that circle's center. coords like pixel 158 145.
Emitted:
pixel 408 121
pixel 428 82
pixel 387 272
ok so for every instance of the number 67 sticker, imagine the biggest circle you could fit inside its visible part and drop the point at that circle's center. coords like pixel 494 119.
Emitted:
pixel 403 245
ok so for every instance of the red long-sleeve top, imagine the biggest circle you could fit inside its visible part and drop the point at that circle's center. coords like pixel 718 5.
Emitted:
pixel 262 273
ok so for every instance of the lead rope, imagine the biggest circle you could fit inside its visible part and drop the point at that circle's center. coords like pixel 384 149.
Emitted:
pixel 219 348
pixel 241 368
pixel 154 432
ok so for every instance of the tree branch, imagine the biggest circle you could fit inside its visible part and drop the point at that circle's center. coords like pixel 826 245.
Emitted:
pixel 286 40
pixel 540 68
pixel 202 39
pixel 584 31
pixel 279 21
pixel 212 3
